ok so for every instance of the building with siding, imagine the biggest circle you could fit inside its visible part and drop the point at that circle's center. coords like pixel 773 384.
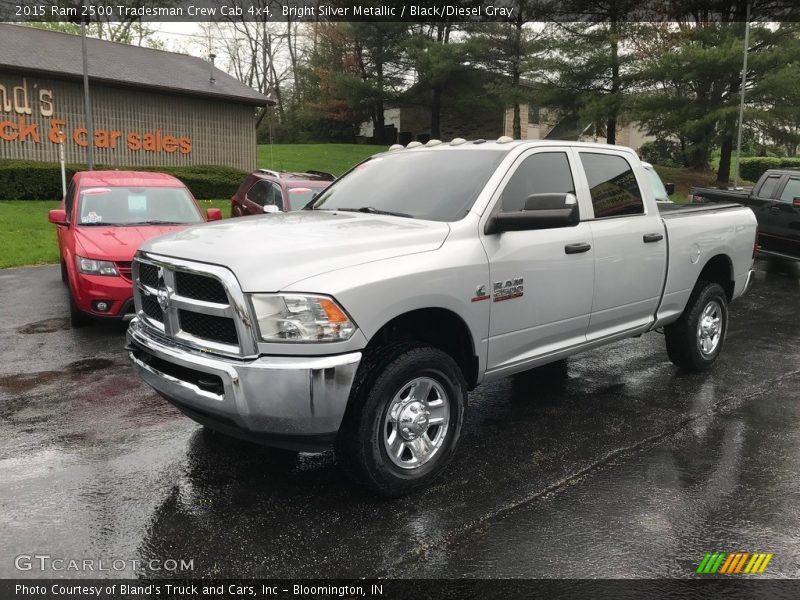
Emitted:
pixel 150 107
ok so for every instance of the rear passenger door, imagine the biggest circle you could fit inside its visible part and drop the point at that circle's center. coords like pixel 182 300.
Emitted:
pixel 630 249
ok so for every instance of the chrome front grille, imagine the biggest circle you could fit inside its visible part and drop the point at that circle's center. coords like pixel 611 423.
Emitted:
pixel 198 305
pixel 200 287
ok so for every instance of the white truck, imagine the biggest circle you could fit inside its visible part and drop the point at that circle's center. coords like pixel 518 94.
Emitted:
pixel 361 322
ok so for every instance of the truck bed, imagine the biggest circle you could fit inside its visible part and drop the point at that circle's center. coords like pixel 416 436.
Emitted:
pixel 678 210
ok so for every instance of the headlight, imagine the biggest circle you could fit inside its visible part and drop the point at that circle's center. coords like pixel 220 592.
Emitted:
pixel 300 318
pixel 90 266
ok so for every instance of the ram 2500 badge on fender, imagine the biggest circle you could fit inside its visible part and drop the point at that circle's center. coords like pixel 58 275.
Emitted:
pixel 362 321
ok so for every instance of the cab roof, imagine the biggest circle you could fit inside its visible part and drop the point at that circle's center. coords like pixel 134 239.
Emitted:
pixel 127 179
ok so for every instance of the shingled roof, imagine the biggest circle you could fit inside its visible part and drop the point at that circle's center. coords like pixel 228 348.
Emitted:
pixel 37 51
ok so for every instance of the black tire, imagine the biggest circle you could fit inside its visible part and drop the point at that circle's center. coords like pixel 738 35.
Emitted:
pixel 684 343
pixel 77 318
pixel 382 377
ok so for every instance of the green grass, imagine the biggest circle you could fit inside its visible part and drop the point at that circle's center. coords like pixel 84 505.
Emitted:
pixel 28 238
pixel 333 158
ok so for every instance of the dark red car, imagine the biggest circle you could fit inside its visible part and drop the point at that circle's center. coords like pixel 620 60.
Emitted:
pixel 266 191
pixel 103 219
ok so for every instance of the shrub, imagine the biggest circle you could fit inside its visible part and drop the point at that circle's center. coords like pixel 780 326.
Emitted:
pixel 662 152
pixel 752 168
pixel 31 180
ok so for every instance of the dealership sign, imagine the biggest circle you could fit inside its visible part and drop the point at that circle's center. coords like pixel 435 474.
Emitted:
pixel 18 105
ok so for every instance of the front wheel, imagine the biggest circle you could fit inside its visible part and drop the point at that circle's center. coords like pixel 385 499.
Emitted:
pixel 404 419
pixel 695 340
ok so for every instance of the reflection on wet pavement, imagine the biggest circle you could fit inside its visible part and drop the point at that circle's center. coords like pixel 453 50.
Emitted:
pixel 576 476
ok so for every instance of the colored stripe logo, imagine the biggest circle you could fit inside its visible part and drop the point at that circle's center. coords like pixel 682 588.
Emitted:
pixel 734 563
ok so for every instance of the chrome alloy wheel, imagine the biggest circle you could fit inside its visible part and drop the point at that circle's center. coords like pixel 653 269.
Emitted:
pixel 415 425
pixel 709 328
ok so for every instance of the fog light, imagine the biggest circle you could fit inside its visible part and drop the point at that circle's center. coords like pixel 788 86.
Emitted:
pixel 101 305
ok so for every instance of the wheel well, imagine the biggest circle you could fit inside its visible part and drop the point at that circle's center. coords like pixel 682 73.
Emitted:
pixel 438 327
pixel 719 270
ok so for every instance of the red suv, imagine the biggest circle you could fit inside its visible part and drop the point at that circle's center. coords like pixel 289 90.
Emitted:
pixel 265 191
pixel 103 219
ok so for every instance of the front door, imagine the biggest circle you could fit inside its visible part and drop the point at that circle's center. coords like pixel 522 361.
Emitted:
pixel 542 280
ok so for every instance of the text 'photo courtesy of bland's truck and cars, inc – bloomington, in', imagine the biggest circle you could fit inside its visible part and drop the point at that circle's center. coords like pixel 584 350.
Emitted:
pixel 341 299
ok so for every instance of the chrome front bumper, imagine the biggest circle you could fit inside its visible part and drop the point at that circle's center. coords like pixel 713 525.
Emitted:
pixel 287 401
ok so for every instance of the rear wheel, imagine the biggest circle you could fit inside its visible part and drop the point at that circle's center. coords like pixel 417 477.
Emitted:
pixel 404 419
pixel 695 340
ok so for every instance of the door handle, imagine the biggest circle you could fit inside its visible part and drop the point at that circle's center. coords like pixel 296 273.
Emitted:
pixel 649 238
pixel 775 209
pixel 577 248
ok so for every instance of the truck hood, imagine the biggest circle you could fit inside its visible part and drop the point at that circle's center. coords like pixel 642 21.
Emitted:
pixel 116 243
pixel 267 253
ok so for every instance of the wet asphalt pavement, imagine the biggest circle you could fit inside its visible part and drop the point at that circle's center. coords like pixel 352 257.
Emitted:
pixel 627 468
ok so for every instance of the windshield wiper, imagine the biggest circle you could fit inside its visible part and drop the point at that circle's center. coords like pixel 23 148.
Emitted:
pixel 156 223
pixel 376 211
pixel 101 224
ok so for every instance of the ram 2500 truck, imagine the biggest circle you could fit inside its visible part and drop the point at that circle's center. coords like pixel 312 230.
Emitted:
pixel 362 321
pixel 775 200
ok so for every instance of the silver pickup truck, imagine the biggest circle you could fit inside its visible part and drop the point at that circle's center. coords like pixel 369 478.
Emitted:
pixel 361 322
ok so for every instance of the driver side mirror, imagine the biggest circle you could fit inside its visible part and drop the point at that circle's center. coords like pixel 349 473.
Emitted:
pixel 271 209
pixel 214 214
pixel 542 211
pixel 57 217
pixel 670 187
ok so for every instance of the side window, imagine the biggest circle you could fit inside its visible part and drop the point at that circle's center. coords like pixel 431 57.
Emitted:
pixel 259 192
pixel 791 191
pixel 542 173
pixel 275 197
pixel 613 185
pixel 69 200
pixel 767 189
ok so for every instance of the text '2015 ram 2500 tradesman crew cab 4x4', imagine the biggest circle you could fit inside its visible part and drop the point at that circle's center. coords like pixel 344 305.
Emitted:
pixel 362 321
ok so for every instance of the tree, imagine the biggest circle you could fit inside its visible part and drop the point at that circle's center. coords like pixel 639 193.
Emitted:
pixel 693 80
pixel 438 61
pixel 590 67
pixel 510 49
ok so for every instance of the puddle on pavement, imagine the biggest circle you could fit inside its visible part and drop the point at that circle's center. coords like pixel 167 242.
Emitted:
pixel 45 326
pixel 24 382
pixel 88 365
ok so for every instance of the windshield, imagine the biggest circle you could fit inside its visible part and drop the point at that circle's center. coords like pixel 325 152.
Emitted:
pixel 659 191
pixel 136 206
pixel 300 196
pixel 437 185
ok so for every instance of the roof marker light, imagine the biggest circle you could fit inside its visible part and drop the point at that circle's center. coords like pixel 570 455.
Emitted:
pixel 394 147
pixel 414 144
pixel 458 141
pixel 504 139
pixel 433 143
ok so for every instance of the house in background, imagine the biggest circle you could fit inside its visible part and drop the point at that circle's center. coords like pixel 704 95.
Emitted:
pixel 545 124
pixel 472 110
